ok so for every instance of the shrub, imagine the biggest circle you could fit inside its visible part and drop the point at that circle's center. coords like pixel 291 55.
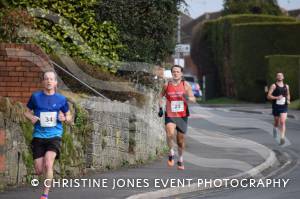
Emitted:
pixel 250 44
pixel 212 49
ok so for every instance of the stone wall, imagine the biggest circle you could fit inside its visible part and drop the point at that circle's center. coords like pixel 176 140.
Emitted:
pixel 123 133
pixel 12 145
pixel 119 134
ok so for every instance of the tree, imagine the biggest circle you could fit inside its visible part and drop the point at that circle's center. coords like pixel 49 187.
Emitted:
pixel 147 27
pixel 251 6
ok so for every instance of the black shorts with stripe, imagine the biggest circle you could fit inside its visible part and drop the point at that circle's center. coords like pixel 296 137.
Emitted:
pixel 180 122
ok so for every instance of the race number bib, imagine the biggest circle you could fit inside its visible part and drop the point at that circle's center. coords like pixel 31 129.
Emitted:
pixel 281 101
pixel 177 106
pixel 48 119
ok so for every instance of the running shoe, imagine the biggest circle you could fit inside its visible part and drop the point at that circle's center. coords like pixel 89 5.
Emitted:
pixel 180 165
pixel 44 197
pixel 282 141
pixel 171 160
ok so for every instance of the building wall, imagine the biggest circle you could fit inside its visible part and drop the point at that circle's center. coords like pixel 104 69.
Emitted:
pixel 21 68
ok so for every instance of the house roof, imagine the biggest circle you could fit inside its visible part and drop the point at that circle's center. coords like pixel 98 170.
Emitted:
pixel 187 29
pixel 294 13
pixel 185 19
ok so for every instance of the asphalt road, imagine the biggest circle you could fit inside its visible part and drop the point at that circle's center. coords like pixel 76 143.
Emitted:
pixel 220 143
pixel 255 128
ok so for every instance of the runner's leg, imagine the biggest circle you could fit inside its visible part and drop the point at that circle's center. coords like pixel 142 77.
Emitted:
pixel 283 117
pixel 39 166
pixel 276 125
pixel 170 130
pixel 181 146
pixel 276 121
pixel 49 159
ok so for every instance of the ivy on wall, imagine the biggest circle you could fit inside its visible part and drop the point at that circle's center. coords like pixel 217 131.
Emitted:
pixel 72 25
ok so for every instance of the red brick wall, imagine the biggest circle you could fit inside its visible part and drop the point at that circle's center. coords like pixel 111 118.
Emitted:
pixel 21 68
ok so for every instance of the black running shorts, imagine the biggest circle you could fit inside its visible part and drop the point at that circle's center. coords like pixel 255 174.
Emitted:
pixel 277 110
pixel 40 146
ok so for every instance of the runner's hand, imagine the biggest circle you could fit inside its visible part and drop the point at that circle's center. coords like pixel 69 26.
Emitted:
pixel 279 97
pixel 61 116
pixel 34 119
pixel 160 112
pixel 187 97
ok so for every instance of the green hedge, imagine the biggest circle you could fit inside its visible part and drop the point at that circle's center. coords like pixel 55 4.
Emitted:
pixel 251 6
pixel 250 44
pixel 290 66
pixel 211 48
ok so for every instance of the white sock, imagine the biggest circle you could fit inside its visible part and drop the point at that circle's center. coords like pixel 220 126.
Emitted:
pixel 172 152
pixel 180 159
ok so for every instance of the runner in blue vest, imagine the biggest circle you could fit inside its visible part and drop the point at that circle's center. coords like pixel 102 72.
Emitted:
pixel 47 110
pixel 280 95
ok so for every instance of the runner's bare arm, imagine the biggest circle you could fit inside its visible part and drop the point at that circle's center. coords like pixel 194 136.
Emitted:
pixel 69 118
pixel 29 115
pixel 288 94
pixel 65 117
pixel 270 96
pixel 189 92
pixel 161 95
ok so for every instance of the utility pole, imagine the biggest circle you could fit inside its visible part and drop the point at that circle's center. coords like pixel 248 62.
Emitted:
pixel 299 81
pixel 178 29
pixel 204 88
pixel 178 39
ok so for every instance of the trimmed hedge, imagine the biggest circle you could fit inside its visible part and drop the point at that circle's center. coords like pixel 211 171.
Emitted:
pixel 250 44
pixel 290 66
pixel 211 48
pixel 251 6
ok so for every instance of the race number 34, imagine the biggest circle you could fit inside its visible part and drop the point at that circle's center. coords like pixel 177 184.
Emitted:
pixel 48 119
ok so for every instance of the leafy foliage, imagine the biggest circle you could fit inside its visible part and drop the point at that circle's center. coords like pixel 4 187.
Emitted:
pixel 233 59
pixel 248 54
pixel 147 27
pixel 289 65
pixel 11 20
pixel 251 6
pixel 71 24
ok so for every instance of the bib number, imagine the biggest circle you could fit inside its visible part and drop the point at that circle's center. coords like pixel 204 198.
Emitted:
pixel 48 119
pixel 281 101
pixel 177 106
